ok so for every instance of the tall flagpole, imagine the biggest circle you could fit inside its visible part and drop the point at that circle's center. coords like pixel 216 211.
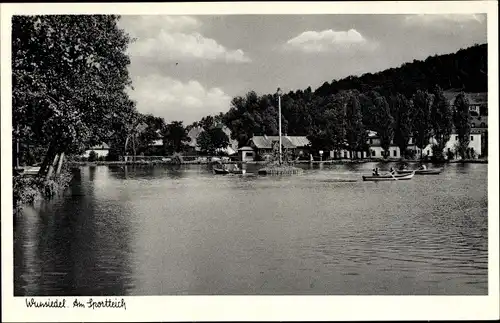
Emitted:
pixel 279 118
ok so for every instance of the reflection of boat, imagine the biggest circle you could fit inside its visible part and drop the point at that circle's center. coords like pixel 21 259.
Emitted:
pixel 389 177
pixel 432 171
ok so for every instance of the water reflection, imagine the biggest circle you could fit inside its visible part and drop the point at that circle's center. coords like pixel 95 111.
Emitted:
pixel 170 230
pixel 80 246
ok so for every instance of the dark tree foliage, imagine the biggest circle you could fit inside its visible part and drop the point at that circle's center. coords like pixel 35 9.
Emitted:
pixel 466 69
pixel 401 110
pixel 442 121
pixel 421 118
pixel 355 130
pixel 212 139
pixel 382 121
pixel 69 75
pixel 153 130
pixel 461 119
pixel 175 135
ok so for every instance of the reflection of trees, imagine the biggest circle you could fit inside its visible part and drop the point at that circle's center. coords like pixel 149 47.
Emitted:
pixel 82 246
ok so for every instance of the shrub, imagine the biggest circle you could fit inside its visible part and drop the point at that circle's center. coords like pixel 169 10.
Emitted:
pixel 472 153
pixel 450 155
pixel 437 154
pixel 93 156
pixel 410 154
pixel 177 158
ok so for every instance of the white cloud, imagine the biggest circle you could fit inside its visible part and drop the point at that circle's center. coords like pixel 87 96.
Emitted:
pixel 328 40
pixel 178 46
pixel 166 38
pixel 437 19
pixel 171 99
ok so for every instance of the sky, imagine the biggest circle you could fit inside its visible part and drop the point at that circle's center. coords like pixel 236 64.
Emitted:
pixel 187 67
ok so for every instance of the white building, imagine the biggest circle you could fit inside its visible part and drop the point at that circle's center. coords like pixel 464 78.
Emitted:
pixel 452 144
pixel 101 150
pixel 376 150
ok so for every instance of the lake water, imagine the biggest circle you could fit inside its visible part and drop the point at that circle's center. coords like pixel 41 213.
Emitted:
pixel 183 230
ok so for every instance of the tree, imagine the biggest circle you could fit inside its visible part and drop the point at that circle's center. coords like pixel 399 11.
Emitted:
pixel 175 136
pixel 402 121
pixel 421 118
pixel 442 122
pixel 383 122
pixel 355 131
pixel 212 139
pixel 69 76
pixel 154 127
pixel 327 132
pixel 461 118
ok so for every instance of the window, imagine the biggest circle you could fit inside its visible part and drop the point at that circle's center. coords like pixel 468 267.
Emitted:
pixel 345 154
pixel 483 125
pixel 249 154
pixel 395 153
pixel 471 138
pixel 371 141
pixel 374 153
pixel 472 125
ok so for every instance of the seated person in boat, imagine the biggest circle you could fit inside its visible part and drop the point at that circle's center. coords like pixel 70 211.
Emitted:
pixel 392 171
pixel 423 167
pixel 375 172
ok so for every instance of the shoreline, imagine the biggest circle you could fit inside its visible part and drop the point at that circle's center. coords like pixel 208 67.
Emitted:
pixel 328 162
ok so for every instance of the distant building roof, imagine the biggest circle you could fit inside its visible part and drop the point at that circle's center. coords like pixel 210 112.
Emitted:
pixel 246 148
pixel 266 142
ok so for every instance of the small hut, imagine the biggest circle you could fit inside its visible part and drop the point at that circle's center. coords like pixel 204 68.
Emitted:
pixel 246 154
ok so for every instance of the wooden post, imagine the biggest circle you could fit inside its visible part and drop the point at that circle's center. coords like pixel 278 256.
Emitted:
pixel 59 164
pixel 46 160
pixel 51 167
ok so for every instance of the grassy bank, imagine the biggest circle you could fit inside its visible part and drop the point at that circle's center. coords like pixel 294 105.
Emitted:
pixel 27 190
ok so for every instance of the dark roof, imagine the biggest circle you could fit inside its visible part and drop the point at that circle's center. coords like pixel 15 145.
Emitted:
pixel 266 142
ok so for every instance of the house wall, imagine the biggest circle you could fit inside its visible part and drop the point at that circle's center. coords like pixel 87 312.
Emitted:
pixel 246 155
pixel 394 151
pixel 344 154
pixel 475 143
pixel 100 152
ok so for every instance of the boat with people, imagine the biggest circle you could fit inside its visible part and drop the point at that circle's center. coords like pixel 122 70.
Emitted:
pixel 388 177
pixel 422 170
pixel 222 169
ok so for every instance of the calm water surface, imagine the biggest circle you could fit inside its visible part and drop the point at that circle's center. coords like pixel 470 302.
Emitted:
pixel 182 230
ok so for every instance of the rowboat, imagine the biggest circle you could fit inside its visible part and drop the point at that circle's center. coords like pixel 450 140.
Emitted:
pixel 220 171
pixel 432 171
pixel 225 171
pixel 389 177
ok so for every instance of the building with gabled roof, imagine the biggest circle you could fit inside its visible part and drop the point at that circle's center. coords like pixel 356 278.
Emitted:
pixel 263 145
